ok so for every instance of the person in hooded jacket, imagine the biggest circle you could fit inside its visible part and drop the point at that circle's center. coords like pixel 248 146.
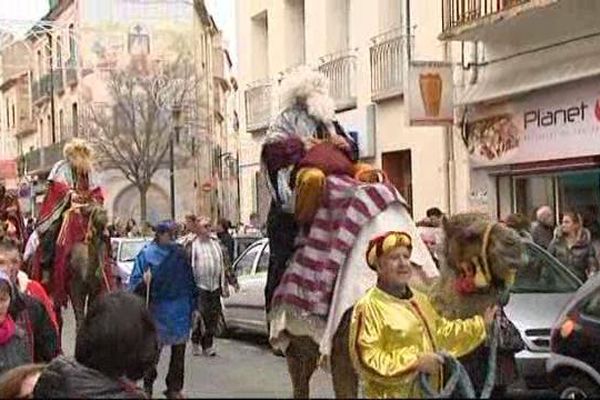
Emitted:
pixel 13 344
pixel 115 345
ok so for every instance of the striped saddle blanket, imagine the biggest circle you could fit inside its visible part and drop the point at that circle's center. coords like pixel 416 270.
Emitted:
pixel 308 283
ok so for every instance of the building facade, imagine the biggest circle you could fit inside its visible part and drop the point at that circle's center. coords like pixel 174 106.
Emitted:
pixel 69 55
pixel 528 104
pixel 364 48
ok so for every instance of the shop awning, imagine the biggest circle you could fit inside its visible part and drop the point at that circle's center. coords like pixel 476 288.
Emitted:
pixel 532 71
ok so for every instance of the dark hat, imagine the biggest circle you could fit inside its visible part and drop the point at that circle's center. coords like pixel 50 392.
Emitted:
pixel 165 226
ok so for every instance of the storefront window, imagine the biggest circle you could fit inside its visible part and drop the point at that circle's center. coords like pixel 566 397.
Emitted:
pixel 579 191
pixel 532 192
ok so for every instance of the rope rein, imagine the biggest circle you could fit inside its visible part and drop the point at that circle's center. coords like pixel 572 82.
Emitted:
pixel 459 382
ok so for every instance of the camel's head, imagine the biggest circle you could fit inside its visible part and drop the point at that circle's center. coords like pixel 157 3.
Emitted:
pixel 480 260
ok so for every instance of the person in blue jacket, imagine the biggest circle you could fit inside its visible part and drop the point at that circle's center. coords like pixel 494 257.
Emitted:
pixel 163 268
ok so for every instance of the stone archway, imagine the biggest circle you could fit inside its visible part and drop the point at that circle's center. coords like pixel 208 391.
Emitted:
pixel 127 204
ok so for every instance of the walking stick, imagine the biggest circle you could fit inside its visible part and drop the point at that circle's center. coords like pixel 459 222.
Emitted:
pixel 148 291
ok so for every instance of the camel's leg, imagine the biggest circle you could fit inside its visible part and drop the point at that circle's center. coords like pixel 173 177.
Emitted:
pixel 345 379
pixel 78 295
pixel 302 357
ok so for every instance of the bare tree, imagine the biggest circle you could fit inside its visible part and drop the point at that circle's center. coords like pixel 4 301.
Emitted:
pixel 132 130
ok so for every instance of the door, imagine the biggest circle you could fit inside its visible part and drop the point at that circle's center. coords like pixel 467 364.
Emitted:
pixel 398 167
pixel 254 311
pixel 586 337
pixel 236 306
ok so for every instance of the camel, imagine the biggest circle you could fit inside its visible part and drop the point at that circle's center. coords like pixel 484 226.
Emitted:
pixel 465 237
pixel 87 259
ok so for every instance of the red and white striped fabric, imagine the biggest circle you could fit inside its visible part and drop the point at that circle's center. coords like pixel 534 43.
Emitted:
pixel 308 282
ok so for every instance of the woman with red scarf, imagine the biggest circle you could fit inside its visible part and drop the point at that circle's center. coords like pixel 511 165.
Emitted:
pixel 13 344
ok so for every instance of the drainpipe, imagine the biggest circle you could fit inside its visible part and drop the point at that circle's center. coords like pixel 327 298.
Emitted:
pixel 449 152
pixel 408 32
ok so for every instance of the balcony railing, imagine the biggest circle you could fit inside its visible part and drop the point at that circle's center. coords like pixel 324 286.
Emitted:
pixel 71 71
pixel 33 160
pixel 386 65
pixel 41 88
pixel 58 80
pixel 25 126
pixel 340 68
pixel 456 13
pixel 258 105
pixel 42 159
pixel 53 154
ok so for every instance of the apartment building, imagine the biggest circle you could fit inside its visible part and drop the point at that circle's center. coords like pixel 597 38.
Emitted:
pixel 69 55
pixel 16 124
pixel 528 107
pixel 363 47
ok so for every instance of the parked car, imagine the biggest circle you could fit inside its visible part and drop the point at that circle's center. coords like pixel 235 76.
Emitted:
pixel 245 309
pixel 574 365
pixel 241 243
pixel 124 251
pixel 538 295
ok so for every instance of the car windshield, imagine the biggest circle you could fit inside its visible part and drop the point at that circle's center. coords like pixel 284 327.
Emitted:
pixel 544 274
pixel 130 249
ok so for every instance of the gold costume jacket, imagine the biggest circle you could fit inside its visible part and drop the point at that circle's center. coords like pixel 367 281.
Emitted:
pixel 388 334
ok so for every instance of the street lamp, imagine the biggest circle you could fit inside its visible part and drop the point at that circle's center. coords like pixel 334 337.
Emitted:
pixel 176 115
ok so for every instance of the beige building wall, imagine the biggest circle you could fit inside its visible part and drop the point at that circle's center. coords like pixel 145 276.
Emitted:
pixel 334 26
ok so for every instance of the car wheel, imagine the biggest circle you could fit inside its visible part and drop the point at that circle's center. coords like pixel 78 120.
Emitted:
pixel 578 386
pixel 222 331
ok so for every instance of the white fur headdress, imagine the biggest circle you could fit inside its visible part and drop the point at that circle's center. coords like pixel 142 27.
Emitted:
pixel 307 86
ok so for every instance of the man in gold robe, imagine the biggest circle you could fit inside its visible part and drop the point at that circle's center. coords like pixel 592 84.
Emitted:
pixel 395 332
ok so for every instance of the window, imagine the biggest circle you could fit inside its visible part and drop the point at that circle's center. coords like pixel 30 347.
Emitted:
pixel 72 45
pixel 138 42
pixel 543 274
pixel 41 132
pixel 7 114
pixel 532 192
pixel 263 261
pixel 59 63
pixel 40 64
pixel 129 250
pixel 338 26
pixel 246 262
pixel 52 130
pixel 61 125
pixel 75 120
pixel 295 32
pixel 14 118
pixel 592 308
pixel 260 46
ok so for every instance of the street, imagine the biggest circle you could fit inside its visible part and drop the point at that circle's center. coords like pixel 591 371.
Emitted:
pixel 243 367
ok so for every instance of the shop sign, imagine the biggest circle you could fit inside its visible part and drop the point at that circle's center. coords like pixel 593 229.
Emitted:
pixel 430 93
pixel 557 123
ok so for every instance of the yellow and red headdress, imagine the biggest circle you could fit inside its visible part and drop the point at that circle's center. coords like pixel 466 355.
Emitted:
pixel 384 244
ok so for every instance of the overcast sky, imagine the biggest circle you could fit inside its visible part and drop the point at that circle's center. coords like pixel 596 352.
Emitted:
pixel 223 12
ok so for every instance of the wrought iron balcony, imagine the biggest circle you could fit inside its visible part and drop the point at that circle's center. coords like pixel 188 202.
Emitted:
pixel 33 160
pixel 25 126
pixel 53 154
pixel 58 80
pixel 71 71
pixel 457 14
pixel 258 105
pixel 386 65
pixel 41 88
pixel 340 68
pixel 42 159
